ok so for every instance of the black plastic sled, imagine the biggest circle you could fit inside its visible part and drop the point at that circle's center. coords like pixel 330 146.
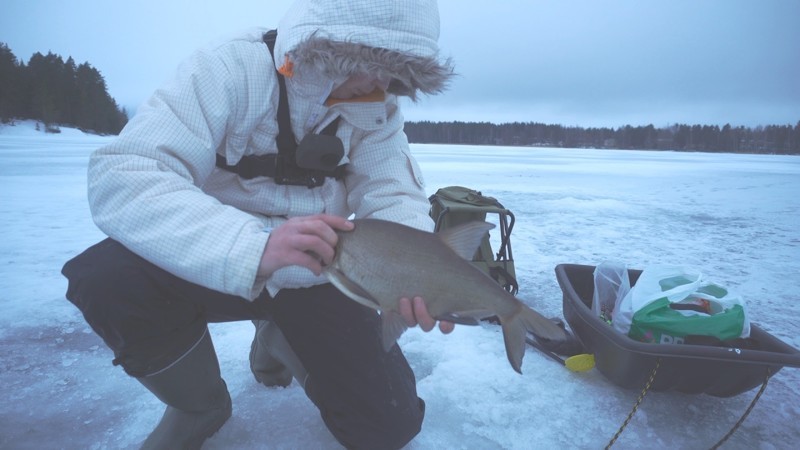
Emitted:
pixel 693 369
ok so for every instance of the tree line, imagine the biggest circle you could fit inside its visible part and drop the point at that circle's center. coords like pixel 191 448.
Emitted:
pixel 54 91
pixel 57 92
pixel 773 139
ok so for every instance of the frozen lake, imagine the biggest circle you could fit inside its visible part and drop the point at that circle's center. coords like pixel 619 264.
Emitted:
pixel 732 216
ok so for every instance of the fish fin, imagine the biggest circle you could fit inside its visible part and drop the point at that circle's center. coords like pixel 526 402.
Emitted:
pixel 465 239
pixel 514 337
pixel 541 326
pixel 351 289
pixel 517 325
pixel 465 317
pixel 393 327
pixel 458 319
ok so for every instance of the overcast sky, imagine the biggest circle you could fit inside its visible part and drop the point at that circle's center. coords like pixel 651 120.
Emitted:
pixel 586 63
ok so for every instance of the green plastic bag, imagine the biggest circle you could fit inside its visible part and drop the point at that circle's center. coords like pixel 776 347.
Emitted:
pixel 668 303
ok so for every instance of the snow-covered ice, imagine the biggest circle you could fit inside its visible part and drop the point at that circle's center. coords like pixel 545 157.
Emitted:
pixel 732 216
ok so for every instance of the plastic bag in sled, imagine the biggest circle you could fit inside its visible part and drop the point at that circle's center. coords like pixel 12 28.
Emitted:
pixel 721 371
pixel 669 303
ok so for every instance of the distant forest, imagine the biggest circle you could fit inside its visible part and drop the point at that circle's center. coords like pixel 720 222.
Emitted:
pixel 57 92
pixel 772 139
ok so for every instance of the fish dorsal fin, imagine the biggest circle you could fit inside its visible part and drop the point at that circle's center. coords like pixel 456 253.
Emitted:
pixel 465 239
pixel 393 327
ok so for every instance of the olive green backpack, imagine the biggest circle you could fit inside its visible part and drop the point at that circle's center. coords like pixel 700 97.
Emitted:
pixel 455 205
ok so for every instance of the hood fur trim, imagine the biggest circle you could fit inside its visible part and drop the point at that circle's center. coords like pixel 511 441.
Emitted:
pixel 409 74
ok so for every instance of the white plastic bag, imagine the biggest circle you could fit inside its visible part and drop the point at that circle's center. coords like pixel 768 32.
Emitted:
pixel 611 285
pixel 669 285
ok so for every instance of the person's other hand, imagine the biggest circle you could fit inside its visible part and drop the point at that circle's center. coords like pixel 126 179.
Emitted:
pixel 307 241
pixel 415 312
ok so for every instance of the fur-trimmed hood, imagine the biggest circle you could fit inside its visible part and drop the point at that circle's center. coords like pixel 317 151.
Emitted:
pixel 387 38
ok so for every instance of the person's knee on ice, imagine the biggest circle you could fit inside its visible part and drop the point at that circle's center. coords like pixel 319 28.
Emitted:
pixel 131 305
pixel 386 426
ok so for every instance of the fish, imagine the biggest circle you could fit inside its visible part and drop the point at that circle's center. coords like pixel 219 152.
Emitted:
pixel 379 262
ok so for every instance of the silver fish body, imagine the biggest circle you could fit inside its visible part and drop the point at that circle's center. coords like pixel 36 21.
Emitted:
pixel 380 262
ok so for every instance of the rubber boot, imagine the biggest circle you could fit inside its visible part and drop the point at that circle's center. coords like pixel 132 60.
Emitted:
pixel 272 360
pixel 197 399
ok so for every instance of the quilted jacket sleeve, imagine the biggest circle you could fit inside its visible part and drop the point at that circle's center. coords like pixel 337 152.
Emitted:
pixel 145 187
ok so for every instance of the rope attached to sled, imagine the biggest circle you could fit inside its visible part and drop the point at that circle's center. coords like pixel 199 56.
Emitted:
pixel 647 389
pixel 636 405
pixel 746 413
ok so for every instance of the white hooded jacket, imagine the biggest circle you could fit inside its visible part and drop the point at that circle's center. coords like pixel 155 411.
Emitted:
pixel 156 188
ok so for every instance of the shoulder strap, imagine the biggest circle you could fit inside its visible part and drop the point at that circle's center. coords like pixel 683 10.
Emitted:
pixel 285 140
pixel 282 167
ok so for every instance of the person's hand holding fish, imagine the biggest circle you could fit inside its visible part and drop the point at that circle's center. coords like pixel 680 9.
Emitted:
pixel 415 312
pixel 310 242
pixel 307 241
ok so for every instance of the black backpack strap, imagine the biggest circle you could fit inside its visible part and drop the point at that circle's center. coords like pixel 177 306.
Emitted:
pixel 251 166
pixel 282 167
pixel 287 143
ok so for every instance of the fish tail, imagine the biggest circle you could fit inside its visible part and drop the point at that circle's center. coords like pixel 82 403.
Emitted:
pixel 518 324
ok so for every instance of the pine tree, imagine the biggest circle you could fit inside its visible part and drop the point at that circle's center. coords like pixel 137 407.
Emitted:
pixel 9 84
pixel 55 91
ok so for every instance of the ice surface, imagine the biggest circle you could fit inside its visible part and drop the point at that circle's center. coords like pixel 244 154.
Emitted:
pixel 733 216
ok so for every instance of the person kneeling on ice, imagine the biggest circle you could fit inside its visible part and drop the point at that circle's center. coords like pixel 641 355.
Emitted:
pixel 214 213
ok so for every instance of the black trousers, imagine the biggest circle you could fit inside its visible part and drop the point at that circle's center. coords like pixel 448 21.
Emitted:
pixel 367 397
